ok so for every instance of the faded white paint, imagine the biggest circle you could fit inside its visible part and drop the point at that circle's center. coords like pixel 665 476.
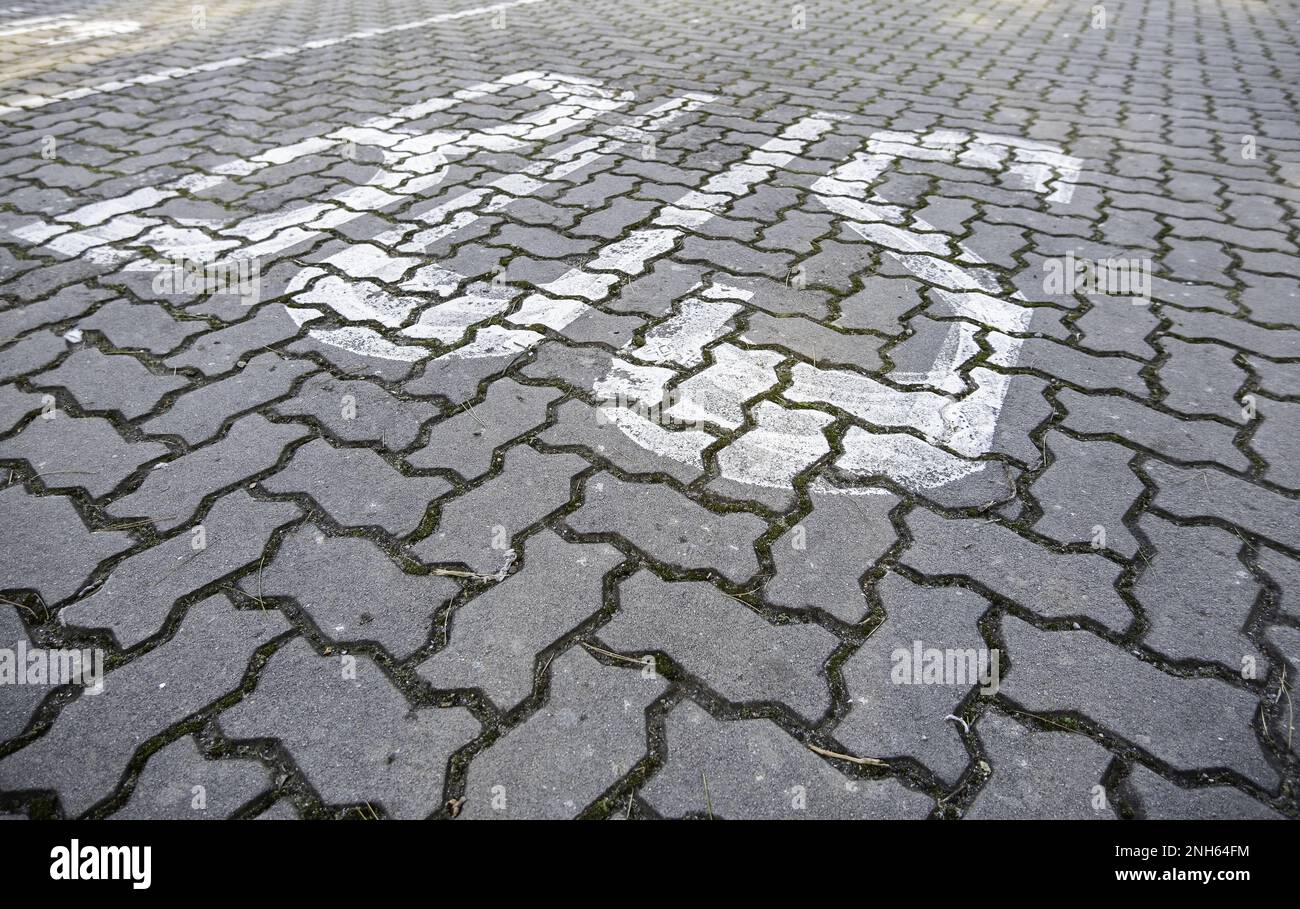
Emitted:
pixel 51 31
pixel 783 444
pixel 681 339
pixel 717 394
pixel 919 429
pixel 29 102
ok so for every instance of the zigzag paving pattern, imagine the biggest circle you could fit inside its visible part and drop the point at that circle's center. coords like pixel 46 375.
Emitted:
pixel 543 409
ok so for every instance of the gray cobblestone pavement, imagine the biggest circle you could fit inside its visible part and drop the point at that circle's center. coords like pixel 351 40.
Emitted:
pixel 674 409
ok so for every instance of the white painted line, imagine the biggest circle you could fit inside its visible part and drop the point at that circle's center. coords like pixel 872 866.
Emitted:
pixel 782 444
pixel 367 342
pixel 358 301
pixel 634 253
pixel 66 29
pixel 773 454
pixel 914 464
pixel 447 322
pixel 451 217
pixel 32 102
pixel 959 346
pixel 195 244
pixel 36 23
pixel 626 381
pixel 683 445
pixel 868 399
pixel 278 231
pixel 495 341
pixel 717 394
pixel 682 338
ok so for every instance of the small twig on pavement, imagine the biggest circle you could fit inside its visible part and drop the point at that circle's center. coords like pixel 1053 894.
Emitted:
pixel 864 761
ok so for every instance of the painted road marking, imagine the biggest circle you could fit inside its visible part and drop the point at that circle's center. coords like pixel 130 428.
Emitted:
pixel 765 456
pixel 413 162
pixel 31 102
pixel 925 429
pixel 209 241
pixel 67 29
pixel 193 243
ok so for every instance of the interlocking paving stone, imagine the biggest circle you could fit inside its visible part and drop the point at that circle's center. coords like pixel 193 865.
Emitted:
pixel 1086 370
pixel 1274 439
pixel 579 367
pixel 1117 325
pixel 681 338
pixel 1088 485
pixel 1051 584
pixel 141 590
pixel 197 416
pixel 324 343
pixel 795 232
pixel 914 356
pixel 655 293
pixel 362 299
pixel 1192 439
pixel 107 382
pixel 1201 379
pixel 596 326
pixel 880 304
pixel 496 636
pixel 179 783
pixel 737 652
pixel 752 769
pixel 1160 800
pixel 1276 378
pixel 717 394
pixel 32 352
pixel 940 477
pixel 356 410
pixel 476 528
pixel 78 452
pixel 1190 723
pixel 352 590
pixel 16 404
pixel 220 351
pixel 1196 594
pixel 1271 299
pixel 833 266
pixel 1039 774
pixel 821 560
pixel 898 708
pixel 171 493
pixel 142 326
pixel 456 376
pixel 375 494
pixel 1209 326
pixel 667 526
pixel 57 562
pixel 1197 492
pixel 1284 571
pixel 82 757
pixel 351 733
pixel 17 702
pixel 68 303
pixel 464 442
pixel 815 341
pixel 596 430
pixel 589 734
pixel 761 464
